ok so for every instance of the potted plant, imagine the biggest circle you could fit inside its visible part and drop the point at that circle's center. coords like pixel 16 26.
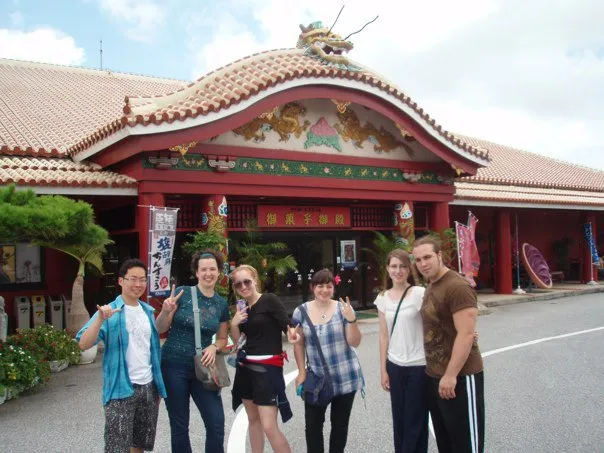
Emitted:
pixel 59 349
pixel 3 394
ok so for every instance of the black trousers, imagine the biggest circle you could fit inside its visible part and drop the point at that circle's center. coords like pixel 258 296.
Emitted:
pixel 314 416
pixel 459 422
pixel 409 408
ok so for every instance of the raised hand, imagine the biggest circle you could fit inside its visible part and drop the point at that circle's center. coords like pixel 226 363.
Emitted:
pixel 293 334
pixel 347 310
pixel 239 317
pixel 106 312
pixel 170 304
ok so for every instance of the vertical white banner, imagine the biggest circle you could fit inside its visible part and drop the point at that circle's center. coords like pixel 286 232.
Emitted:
pixel 162 236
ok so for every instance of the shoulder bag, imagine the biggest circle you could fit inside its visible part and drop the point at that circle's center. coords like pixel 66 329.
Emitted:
pixel 316 390
pixel 213 377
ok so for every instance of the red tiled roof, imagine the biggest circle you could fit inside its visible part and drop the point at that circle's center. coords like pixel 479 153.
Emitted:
pixel 45 108
pixel 53 171
pixel 506 194
pixel 511 166
pixel 243 79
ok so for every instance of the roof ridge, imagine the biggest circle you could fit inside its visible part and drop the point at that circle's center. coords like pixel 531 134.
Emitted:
pixel 43 64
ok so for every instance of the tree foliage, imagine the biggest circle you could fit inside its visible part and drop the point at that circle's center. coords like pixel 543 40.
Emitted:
pixel 26 217
pixel 270 259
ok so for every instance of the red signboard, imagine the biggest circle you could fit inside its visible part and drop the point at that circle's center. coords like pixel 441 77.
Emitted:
pixel 303 217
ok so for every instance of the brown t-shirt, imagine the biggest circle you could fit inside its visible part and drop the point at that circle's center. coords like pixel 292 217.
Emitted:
pixel 444 297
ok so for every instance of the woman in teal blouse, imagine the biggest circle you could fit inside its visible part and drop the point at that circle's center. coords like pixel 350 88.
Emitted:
pixel 178 351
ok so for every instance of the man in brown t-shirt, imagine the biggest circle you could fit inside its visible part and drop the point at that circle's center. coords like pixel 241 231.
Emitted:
pixel 453 362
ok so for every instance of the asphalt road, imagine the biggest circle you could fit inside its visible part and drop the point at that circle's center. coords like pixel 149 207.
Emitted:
pixel 540 397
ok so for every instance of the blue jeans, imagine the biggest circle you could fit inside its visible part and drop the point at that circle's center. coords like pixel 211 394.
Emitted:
pixel 408 387
pixel 181 384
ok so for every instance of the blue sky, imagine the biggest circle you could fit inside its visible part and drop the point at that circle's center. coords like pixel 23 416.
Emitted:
pixel 524 74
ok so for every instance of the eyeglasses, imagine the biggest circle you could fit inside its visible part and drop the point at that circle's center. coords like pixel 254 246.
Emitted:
pixel 241 283
pixel 136 280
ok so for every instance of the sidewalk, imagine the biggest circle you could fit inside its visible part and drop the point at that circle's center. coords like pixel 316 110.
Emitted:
pixel 488 300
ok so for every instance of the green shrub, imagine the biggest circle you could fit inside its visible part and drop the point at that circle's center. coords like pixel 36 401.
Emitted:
pixel 19 370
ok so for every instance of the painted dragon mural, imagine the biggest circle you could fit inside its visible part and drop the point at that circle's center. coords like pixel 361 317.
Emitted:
pixel 321 43
pixel 285 123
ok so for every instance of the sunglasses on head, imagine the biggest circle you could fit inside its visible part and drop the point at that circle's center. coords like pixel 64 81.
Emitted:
pixel 241 283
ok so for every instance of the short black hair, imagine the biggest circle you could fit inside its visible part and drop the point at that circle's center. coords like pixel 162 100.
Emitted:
pixel 206 253
pixel 129 264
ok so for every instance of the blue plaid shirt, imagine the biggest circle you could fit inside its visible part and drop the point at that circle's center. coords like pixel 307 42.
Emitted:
pixel 342 361
pixel 116 381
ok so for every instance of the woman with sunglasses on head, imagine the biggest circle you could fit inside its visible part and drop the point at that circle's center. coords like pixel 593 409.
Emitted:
pixel 259 382
pixel 402 360
pixel 337 330
pixel 177 365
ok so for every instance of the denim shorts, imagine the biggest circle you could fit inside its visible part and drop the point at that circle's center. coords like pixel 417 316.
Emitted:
pixel 132 421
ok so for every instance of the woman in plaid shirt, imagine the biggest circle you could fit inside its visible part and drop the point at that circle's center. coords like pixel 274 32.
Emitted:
pixel 336 327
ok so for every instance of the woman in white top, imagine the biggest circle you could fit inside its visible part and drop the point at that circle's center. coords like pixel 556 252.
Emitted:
pixel 402 360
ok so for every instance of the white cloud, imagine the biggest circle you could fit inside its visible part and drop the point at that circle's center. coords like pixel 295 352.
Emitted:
pixel 44 45
pixel 142 18
pixel 524 74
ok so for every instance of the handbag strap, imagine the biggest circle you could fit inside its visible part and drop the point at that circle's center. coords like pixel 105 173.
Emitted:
pixel 196 323
pixel 313 332
pixel 398 308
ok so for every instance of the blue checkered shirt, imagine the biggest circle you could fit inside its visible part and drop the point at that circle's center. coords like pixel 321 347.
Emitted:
pixel 116 381
pixel 342 361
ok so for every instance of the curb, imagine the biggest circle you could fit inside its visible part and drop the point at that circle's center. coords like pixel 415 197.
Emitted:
pixel 541 296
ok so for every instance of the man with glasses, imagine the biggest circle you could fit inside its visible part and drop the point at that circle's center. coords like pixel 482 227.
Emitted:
pixel 132 380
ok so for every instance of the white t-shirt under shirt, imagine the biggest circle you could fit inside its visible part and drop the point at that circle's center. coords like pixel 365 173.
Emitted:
pixel 138 354
pixel 406 345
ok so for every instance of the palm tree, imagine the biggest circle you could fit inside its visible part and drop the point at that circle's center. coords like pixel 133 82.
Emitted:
pixel 382 245
pixel 267 258
pixel 89 252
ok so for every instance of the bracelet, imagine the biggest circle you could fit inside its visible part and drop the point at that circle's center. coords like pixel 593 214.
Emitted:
pixel 352 322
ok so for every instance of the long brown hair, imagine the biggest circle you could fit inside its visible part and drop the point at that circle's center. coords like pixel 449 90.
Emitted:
pixel 404 258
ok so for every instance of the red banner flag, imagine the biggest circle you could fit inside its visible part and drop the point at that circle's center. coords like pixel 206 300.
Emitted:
pixel 464 250
pixel 472 223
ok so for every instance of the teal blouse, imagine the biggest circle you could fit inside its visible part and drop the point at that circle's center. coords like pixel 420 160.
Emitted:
pixel 180 344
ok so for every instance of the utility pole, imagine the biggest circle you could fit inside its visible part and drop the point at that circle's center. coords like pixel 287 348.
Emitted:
pixel 101 52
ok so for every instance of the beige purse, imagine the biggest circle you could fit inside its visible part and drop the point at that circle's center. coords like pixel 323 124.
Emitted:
pixel 213 377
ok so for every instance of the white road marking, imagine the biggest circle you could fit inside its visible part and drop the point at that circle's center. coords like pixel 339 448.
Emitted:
pixel 238 435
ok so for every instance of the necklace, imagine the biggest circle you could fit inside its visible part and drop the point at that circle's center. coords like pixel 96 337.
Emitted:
pixel 323 314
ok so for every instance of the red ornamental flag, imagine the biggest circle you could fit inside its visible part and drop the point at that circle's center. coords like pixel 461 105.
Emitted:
pixel 472 223
pixel 464 248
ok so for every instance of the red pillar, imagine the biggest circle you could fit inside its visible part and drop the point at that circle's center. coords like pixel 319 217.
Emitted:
pixel 503 265
pixel 439 216
pixel 588 266
pixel 214 220
pixel 142 220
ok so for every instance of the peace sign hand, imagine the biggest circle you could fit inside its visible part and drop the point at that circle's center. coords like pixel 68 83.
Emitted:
pixel 106 312
pixel 347 310
pixel 170 304
pixel 293 334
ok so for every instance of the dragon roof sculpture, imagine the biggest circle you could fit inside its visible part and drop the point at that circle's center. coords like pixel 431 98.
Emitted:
pixel 321 43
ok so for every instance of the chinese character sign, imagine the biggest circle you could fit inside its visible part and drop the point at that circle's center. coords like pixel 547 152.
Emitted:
pixel 163 234
pixel 303 217
pixel 589 237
